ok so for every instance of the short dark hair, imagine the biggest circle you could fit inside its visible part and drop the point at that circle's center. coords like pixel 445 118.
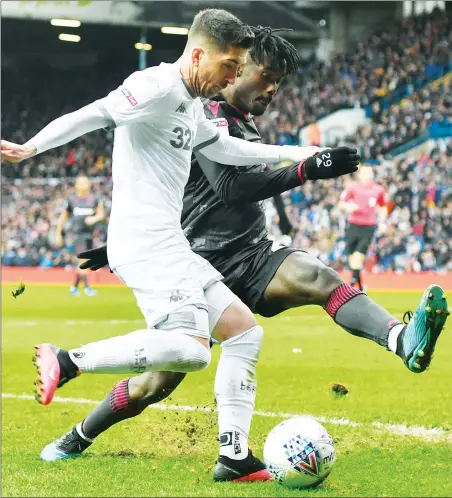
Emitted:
pixel 283 56
pixel 222 27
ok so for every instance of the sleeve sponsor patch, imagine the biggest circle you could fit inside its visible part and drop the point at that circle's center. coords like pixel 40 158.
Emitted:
pixel 222 125
pixel 129 96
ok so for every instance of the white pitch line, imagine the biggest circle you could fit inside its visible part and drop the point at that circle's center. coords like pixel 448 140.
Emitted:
pixel 437 434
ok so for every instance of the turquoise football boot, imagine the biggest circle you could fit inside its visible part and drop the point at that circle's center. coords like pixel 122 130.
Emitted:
pixel 416 342
pixel 71 445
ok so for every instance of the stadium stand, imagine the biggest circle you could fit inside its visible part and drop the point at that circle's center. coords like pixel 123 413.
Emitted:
pixel 401 75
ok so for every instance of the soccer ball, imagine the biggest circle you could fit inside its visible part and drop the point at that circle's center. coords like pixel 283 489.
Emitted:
pixel 299 452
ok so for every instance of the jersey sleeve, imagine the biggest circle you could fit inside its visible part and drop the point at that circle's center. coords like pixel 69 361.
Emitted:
pixel 135 100
pixel 207 131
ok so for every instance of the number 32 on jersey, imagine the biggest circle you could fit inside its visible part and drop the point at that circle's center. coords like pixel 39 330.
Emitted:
pixel 184 138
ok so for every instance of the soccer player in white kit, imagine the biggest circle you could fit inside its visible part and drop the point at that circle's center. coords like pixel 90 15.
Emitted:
pixel 159 120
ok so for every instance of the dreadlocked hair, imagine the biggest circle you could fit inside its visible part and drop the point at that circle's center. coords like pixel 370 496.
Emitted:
pixel 283 56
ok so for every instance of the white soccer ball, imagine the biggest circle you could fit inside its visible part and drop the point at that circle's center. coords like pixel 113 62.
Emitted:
pixel 299 452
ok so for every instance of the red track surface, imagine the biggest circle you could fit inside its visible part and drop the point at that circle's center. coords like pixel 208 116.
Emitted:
pixel 382 281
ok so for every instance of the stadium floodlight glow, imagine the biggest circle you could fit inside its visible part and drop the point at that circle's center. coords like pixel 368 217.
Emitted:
pixel 65 23
pixel 174 30
pixel 143 46
pixel 69 38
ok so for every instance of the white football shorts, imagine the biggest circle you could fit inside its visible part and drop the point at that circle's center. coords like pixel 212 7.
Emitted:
pixel 174 293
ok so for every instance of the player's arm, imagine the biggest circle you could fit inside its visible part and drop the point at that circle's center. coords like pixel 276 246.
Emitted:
pixel 346 202
pixel 234 186
pixel 131 102
pixel 382 214
pixel 234 151
pixel 59 132
pixel 60 225
pixel 284 223
pixel 99 216
pixel 382 203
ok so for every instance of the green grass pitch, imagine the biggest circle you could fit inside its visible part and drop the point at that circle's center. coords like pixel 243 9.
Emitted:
pixel 400 443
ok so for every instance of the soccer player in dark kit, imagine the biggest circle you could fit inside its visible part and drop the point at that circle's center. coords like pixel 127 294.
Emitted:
pixel 224 223
pixel 83 210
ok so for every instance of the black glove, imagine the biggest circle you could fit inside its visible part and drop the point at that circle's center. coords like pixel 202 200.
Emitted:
pixel 330 163
pixel 97 258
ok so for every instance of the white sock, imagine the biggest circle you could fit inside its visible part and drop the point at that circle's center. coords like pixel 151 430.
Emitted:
pixel 79 429
pixel 137 352
pixel 235 391
pixel 393 336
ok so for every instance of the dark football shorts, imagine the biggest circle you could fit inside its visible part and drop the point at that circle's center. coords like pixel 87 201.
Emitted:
pixel 248 271
pixel 83 242
pixel 359 238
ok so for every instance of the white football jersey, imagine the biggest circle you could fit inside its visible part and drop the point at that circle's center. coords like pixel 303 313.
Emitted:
pixel 158 122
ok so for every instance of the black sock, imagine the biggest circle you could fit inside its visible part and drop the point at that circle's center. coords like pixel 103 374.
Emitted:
pixel 68 369
pixel 359 315
pixel 84 279
pixel 117 406
pixel 77 280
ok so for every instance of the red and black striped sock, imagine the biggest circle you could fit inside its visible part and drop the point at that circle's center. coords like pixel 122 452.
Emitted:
pixel 359 315
pixel 117 406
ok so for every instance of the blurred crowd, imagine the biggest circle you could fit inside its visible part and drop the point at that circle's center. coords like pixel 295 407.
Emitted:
pixel 402 123
pixel 405 55
pixel 30 211
pixel 416 236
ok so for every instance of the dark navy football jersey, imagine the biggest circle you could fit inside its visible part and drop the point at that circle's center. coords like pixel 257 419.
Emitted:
pixel 223 204
pixel 78 209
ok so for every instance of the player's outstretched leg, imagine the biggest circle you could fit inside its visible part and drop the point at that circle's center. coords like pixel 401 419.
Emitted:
pixel 147 349
pixel 416 342
pixel 127 399
pixel 303 280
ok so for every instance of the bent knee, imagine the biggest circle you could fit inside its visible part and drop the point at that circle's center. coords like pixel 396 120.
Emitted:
pixel 235 320
pixel 329 279
pixel 195 356
pixel 150 388
pixel 313 284
pixel 201 359
pixel 140 387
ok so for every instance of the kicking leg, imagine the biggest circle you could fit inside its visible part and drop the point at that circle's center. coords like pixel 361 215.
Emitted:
pixel 127 399
pixel 303 279
pixel 177 340
pixel 148 349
